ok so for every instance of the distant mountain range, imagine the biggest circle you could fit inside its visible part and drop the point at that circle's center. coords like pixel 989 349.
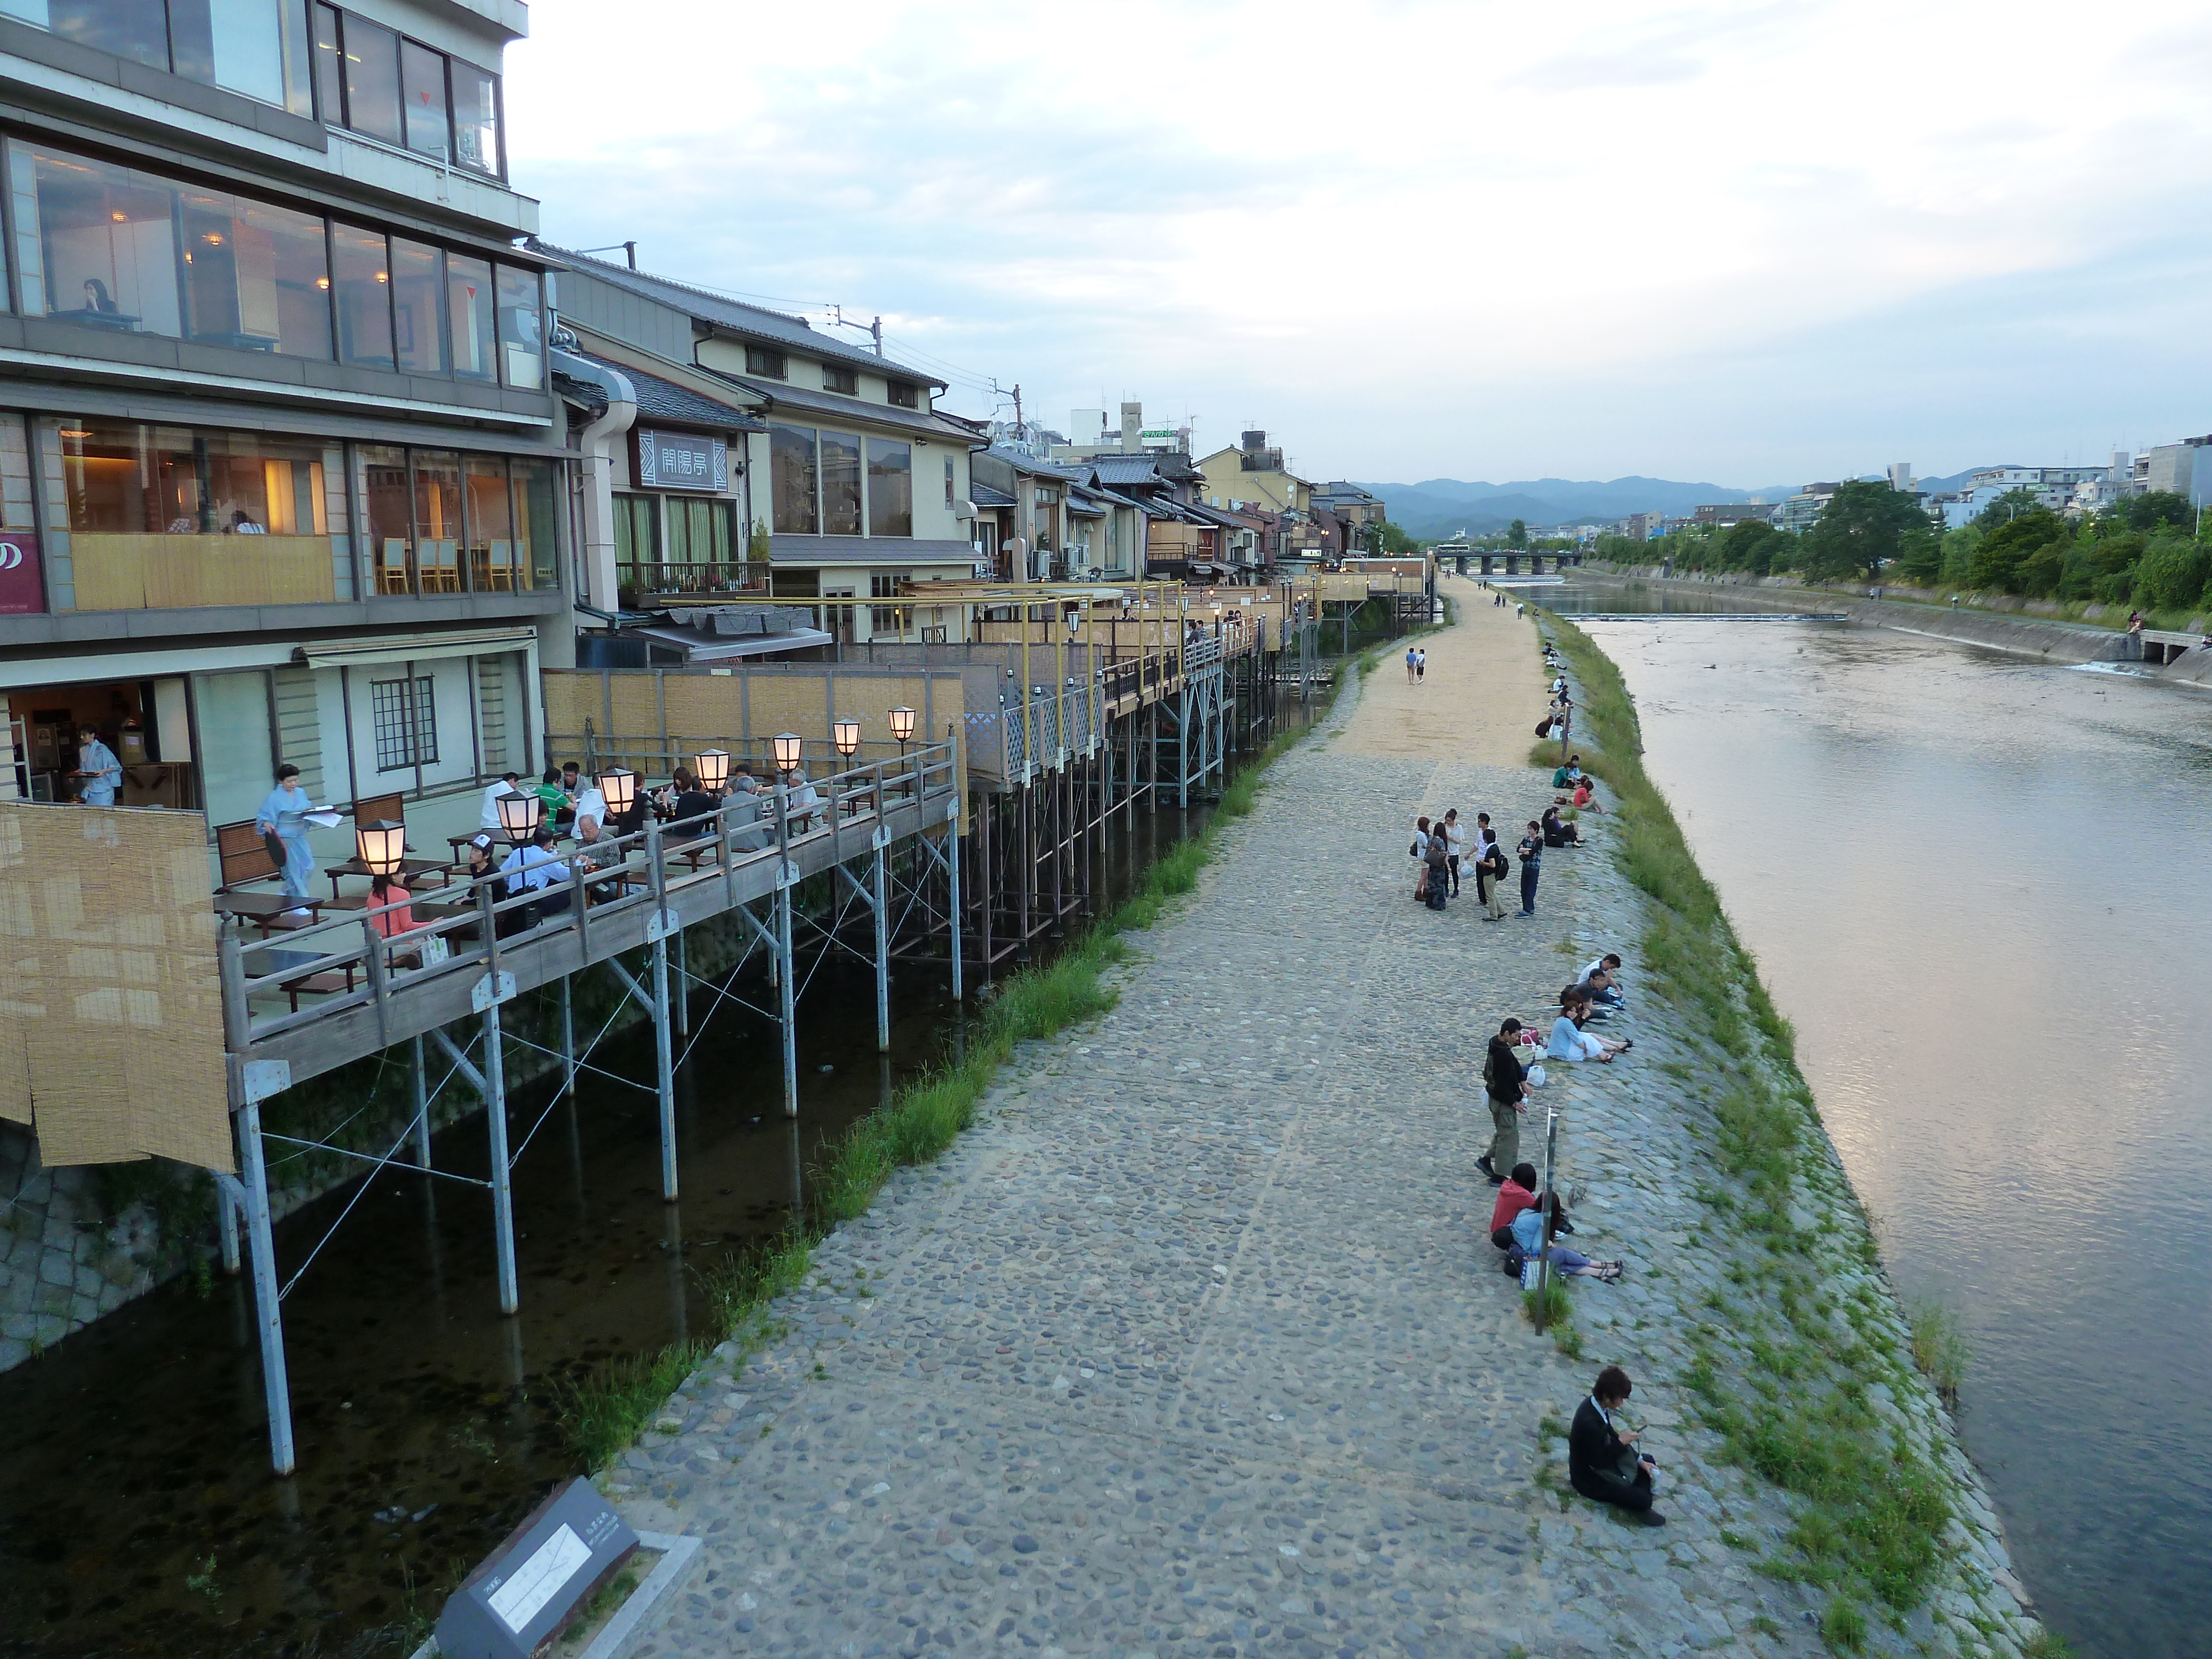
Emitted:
pixel 1441 507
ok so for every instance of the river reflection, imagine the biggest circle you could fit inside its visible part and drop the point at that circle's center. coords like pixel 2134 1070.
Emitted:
pixel 1980 887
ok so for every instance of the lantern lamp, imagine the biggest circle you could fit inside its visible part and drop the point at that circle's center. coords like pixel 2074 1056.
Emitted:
pixel 713 766
pixel 845 733
pixel 382 845
pixel 518 815
pixel 620 789
pixel 789 746
pixel 903 719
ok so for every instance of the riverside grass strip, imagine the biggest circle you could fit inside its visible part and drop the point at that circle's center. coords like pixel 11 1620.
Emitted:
pixel 607 1409
pixel 1796 1369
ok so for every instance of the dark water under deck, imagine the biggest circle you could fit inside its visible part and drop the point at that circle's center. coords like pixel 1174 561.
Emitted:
pixel 1982 888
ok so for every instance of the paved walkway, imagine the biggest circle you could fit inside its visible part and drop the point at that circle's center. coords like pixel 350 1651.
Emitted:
pixel 1196 1344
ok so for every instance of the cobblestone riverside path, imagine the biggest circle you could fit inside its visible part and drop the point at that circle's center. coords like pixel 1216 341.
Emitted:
pixel 1196 1344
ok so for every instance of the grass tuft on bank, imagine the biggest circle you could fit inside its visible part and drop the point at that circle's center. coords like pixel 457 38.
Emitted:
pixel 1789 1362
pixel 606 1410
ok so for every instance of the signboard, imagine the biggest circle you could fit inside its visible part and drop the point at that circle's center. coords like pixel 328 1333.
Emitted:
pixel 534 1582
pixel 681 460
pixel 21 593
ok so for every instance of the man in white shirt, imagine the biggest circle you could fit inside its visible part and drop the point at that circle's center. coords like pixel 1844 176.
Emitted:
pixel 1602 980
pixel 98 771
pixel 488 815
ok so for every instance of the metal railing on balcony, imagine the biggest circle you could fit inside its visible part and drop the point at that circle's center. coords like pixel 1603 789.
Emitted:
pixel 642 582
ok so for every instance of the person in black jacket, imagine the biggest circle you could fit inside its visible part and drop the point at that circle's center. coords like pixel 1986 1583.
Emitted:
pixel 1508 1088
pixel 1603 1463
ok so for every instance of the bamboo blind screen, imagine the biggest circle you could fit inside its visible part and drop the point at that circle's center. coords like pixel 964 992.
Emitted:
pixel 111 1006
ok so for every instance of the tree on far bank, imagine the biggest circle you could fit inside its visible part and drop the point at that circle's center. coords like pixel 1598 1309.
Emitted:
pixel 2154 509
pixel 1516 533
pixel 1394 541
pixel 1859 530
pixel 2015 502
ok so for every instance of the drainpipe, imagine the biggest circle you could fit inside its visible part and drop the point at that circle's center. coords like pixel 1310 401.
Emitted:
pixel 597 442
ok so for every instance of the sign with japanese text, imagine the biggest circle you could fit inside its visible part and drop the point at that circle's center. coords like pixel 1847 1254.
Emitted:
pixel 681 460
pixel 21 592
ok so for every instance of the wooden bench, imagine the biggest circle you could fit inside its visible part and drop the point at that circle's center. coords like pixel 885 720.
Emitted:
pixel 242 856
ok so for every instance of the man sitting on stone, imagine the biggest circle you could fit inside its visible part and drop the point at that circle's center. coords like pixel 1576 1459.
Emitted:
pixel 1603 1463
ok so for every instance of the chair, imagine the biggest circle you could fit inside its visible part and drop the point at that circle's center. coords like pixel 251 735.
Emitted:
pixel 391 566
pixel 242 855
pixel 500 574
pixel 440 563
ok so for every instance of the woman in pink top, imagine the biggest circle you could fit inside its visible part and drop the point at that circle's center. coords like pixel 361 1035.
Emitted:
pixel 391 912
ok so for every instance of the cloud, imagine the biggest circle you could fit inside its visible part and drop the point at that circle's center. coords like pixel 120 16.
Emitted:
pixel 1411 239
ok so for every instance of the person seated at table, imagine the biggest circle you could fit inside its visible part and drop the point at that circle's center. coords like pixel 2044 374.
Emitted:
pixel 390 908
pixel 1557 832
pixel 535 869
pixel 743 783
pixel 594 852
pixel 556 807
pixel 687 801
pixel 1602 1463
pixel 1585 797
pixel 487 812
pixel 1528 1237
pixel 804 799
pixel 1568 1040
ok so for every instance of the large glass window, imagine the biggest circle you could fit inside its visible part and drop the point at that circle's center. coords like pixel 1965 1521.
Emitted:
pixel 890 488
pixel 388 505
pixel 537 512
pixel 491 526
pixel 163 516
pixel 521 329
pixel 417 303
pixel 429 124
pixel 330 64
pixel 469 300
pixel 123 250
pixel 371 78
pixel 255 47
pixel 840 484
pixel 475 118
pixel 637 539
pixel 700 532
pixel 438 520
pixel 792 480
pixel 362 270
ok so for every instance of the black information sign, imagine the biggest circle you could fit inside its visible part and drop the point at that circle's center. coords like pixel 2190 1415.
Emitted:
pixel 532 1583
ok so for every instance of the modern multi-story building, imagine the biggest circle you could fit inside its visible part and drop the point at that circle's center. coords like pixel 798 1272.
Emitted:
pixel 282 481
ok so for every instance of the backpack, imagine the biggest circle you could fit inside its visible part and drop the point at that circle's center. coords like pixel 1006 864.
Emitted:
pixel 1516 1262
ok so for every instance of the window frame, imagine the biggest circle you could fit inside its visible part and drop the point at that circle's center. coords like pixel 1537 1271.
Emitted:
pixel 418 707
pixel 342 116
pixel 902 394
pixel 844 382
pixel 773 365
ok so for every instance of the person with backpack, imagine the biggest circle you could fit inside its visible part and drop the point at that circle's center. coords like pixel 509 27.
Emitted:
pixel 1491 869
pixel 1507 1085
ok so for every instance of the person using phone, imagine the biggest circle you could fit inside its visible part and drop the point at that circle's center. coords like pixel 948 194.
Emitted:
pixel 1602 1461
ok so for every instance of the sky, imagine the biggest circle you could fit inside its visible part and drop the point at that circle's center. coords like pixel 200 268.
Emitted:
pixel 1743 244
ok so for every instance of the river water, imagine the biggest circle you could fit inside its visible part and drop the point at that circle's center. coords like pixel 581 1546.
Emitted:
pixel 1980 887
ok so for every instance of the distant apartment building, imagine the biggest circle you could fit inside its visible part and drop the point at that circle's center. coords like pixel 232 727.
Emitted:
pixel 1723 515
pixel 1090 437
pixel 1640 526
pixel 2178 467
pixel 2053 487
pixel 1797 513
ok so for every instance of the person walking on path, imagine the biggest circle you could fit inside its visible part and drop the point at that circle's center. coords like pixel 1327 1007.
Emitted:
pixel 1491 868
pixel 283 817
pixel 1421 665
pixel 1507 1086
pixel 1412 662
pixel 1531 852
pixel 1603 1463
pixel 1455 835
pixel 1438 857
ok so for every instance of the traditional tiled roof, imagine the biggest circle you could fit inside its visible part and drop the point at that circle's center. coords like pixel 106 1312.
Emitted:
pixel 662 400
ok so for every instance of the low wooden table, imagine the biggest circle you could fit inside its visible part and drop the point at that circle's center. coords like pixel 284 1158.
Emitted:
pixel 270 912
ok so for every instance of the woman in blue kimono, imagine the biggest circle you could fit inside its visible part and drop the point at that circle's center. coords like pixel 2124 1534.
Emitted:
pixel 283 814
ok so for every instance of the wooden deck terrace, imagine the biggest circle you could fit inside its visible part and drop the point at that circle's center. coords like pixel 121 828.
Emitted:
pixel 362 995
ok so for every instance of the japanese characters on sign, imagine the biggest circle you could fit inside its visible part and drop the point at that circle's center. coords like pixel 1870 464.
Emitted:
pixel 681 460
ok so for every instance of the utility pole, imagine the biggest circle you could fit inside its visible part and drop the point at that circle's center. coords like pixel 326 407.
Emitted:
pixel 877 329
pixel 1021 432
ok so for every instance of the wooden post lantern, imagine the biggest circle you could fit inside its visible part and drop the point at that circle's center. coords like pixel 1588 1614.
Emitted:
pixel 620 789
pixel 845 731
pixel 518 815
pixel 714 768
pixel 903 719
pixel 789 746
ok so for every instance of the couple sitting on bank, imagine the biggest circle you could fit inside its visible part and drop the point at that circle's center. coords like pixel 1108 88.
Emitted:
pixel 1516 1227
pixel 1590 998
